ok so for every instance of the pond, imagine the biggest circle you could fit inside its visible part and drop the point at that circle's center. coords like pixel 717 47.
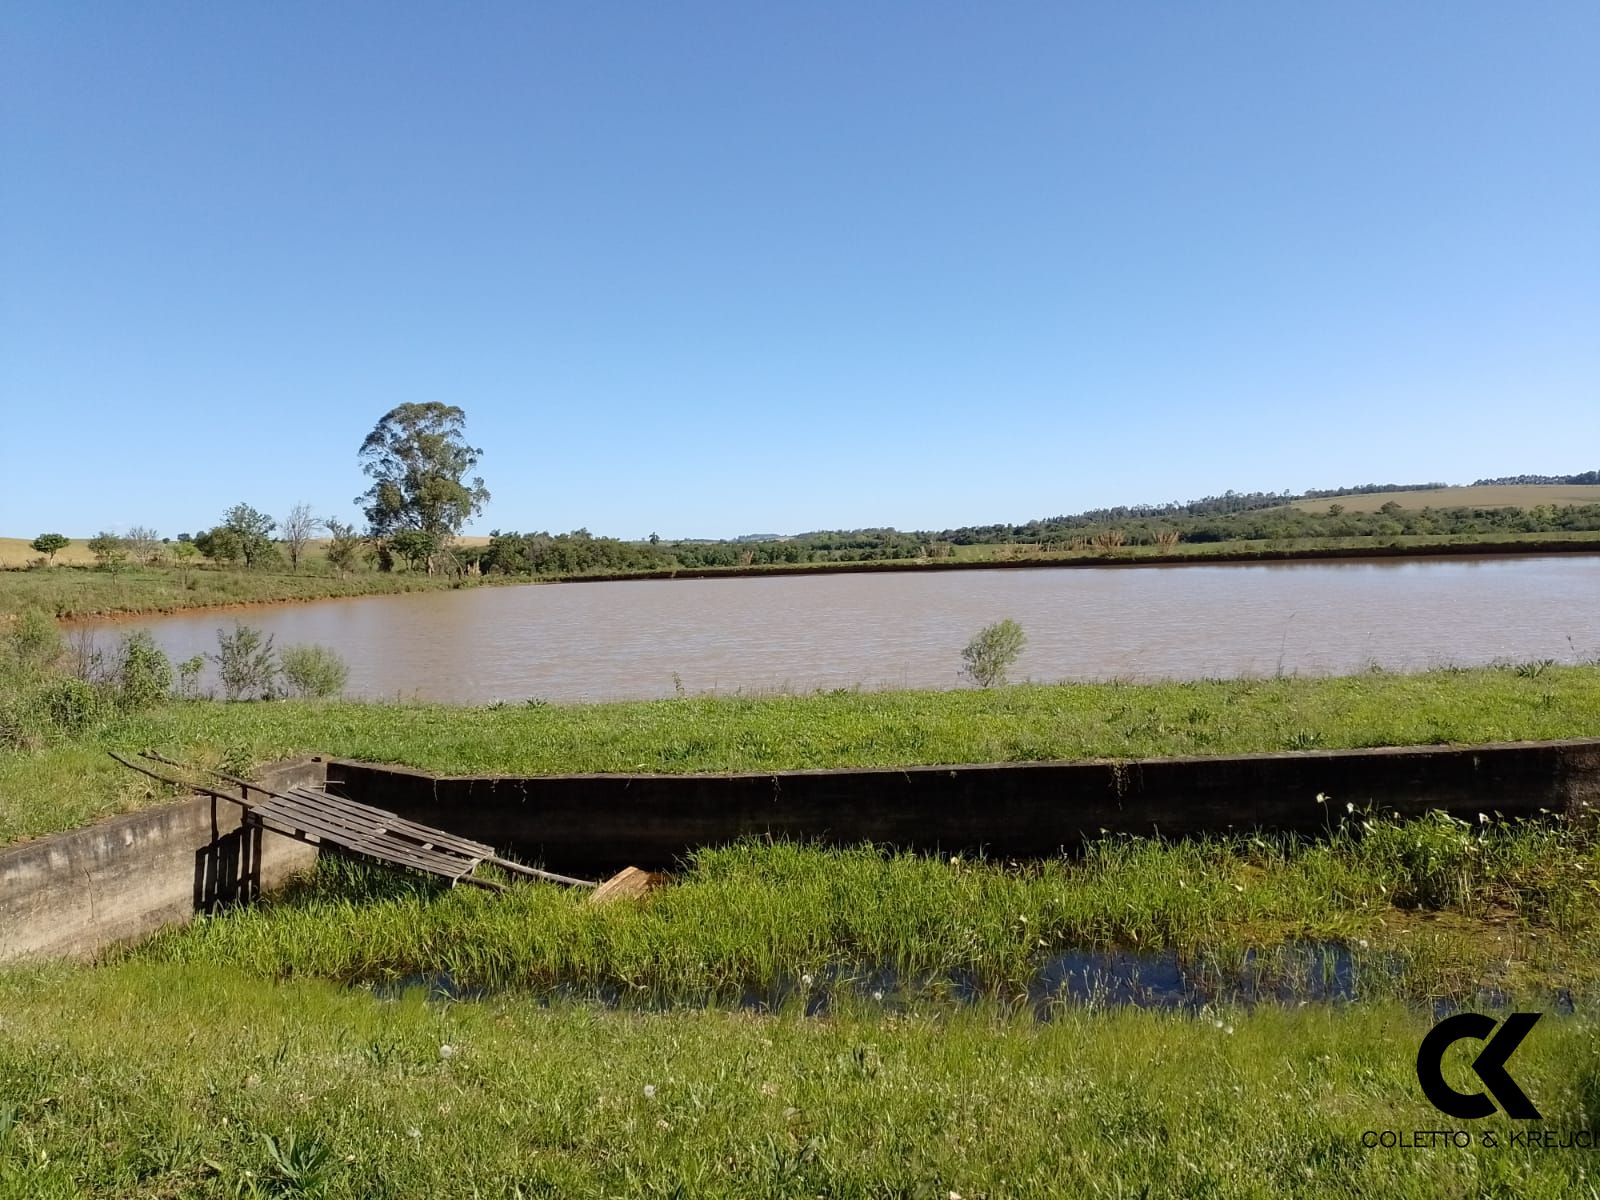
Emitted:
pixel 646 638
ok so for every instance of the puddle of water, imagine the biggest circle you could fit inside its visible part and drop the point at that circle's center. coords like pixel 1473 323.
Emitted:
pixel 1292 974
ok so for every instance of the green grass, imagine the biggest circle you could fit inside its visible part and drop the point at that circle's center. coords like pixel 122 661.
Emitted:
pixel 158 1081
pixel 71 781
pixel 229 1059
pixel 82 592
pixel 1431 908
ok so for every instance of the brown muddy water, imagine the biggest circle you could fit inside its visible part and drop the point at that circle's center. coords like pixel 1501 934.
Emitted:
pixel 643 639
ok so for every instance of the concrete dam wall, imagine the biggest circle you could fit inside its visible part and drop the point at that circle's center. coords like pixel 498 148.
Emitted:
pixel 76 893
pixel 596 823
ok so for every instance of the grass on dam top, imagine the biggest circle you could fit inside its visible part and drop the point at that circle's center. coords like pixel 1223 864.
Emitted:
pixel 70 781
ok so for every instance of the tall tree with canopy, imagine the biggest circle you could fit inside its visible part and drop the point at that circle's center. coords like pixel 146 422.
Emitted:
pixel 420 464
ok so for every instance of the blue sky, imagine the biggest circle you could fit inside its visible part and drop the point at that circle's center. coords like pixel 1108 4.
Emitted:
pixel 710 269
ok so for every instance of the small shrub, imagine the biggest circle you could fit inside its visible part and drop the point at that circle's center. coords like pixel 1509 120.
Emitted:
pixel 1435 862
pixel 142 676
pixel 189 676
pixel 994 650
pixel 34 642
pixel 246 663
pixel 314 671
pixel 18 723
pixel 71 705
pixel 109 550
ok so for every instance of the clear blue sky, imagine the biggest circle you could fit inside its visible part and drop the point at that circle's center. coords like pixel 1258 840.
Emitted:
pixel 720 268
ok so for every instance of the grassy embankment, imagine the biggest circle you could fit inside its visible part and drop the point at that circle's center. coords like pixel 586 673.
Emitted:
pixel 170 1074
pixel 69 780
pixel 82 592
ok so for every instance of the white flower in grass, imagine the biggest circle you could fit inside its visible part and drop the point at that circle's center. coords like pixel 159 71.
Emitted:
pixel 649 1091
pixel 447 1051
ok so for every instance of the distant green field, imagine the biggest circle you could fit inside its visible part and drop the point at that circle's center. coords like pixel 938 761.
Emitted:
pixel 1517 496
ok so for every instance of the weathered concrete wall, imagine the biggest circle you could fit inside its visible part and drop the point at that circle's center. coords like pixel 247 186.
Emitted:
pixel 598 822
pixel 74 894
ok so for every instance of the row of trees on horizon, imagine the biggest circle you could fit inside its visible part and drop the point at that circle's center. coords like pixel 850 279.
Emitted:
pixel 423 492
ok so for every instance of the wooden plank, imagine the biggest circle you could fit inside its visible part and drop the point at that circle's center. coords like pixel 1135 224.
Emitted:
pixel 334 830
pixel 442 838
pixel 311 823
pixel 372 831
pixel 328 814
pixel 399 824
pixel 454 869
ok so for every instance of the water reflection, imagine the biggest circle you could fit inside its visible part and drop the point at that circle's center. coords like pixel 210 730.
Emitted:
pixel 1290 975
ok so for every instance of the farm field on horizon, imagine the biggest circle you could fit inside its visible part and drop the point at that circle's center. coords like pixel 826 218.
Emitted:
pixel 1526 495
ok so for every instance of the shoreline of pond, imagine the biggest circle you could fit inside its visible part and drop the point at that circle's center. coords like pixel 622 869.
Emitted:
pixel 1242 557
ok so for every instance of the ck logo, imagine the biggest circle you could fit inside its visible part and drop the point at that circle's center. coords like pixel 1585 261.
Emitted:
pixel 1489 1066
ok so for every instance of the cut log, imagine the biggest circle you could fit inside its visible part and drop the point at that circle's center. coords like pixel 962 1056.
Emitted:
pixel 626 884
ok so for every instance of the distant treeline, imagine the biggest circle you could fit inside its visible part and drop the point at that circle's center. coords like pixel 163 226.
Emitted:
pixel 1523 480
pixel 580 552
pixel 1208 506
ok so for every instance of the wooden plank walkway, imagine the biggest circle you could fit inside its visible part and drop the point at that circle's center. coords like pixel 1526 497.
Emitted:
pixel 321 817
pixel 318 817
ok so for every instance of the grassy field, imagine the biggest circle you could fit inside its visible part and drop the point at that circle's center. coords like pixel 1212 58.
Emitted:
pixel 161 1081
pixel 15 552
pixel 83 592
pixel 1507 496
pixel 69 781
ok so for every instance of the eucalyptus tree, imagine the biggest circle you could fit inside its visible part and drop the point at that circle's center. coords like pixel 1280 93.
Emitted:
pixel 421 465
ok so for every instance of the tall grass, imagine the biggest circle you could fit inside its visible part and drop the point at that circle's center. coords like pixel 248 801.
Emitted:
pixel 751 920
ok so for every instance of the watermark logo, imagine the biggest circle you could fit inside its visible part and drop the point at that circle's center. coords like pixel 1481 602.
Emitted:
pixel 1501 1039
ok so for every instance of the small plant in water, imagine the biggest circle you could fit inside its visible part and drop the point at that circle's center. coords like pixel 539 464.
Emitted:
pixel 314 671
pixel 990 654
pixel 246 664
